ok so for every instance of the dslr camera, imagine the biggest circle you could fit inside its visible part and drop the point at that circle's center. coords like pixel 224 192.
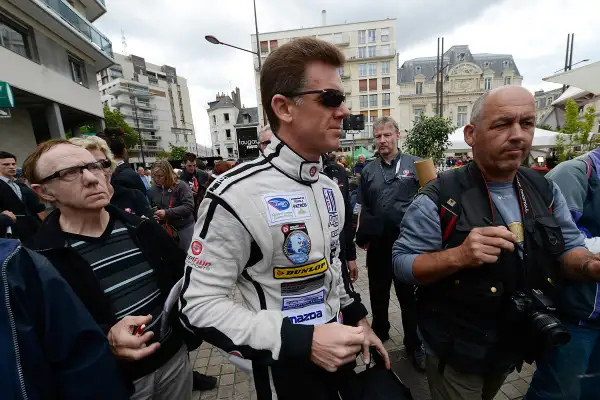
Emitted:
pixel 537 312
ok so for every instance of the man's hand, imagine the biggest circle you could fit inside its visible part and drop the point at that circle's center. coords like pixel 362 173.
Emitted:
pixel 484 245
pixel 10 215
pixel 334 345
pixel 126 344
pixel 353 270
pixel 159 214
pixel 371 339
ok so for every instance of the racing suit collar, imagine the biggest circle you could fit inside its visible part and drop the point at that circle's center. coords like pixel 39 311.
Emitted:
pixel 291 163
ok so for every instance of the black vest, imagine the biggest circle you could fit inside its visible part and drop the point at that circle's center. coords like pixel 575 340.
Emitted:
pixel 464 317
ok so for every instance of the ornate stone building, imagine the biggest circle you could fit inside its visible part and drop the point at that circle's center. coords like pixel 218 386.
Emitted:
pixel 466 77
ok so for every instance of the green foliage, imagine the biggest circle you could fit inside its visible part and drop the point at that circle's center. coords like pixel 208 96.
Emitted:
pixel 176 153
pixel 349 161
pixel 575 139
pixel 163 155
pixel 114 119
pixel 429 137
pixel 545 127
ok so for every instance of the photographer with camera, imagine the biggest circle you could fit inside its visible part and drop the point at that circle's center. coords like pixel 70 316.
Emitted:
pixel 488 242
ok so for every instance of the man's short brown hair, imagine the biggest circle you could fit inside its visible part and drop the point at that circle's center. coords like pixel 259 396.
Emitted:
pixel 30 163
pixel 284 69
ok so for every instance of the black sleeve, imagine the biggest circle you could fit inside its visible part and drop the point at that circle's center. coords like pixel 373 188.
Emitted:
pixel 31 200
pixel 348 226
pixel 142 205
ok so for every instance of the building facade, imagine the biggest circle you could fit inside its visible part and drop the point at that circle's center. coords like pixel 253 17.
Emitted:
pixel 543 102
pixel 155 102
pixel 369 75
pixel 466 77
pixel 222 116
pixel 49 54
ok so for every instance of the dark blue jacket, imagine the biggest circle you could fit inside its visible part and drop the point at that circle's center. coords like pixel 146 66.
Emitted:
pixel 50 347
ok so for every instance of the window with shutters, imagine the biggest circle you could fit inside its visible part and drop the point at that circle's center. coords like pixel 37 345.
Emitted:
pixel 372 84
pixel 385 83
pixel 385 34
pixel 264 47
pixel 362 85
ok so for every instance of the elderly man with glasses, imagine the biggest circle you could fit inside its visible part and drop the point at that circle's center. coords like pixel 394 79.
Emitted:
pixel 122 267
pixel 264 138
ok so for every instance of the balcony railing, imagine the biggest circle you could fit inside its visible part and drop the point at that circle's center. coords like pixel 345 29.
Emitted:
pixel 145 136
pixel 69 15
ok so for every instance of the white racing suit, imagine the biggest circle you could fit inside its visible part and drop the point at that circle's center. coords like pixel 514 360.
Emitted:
pixel 271 226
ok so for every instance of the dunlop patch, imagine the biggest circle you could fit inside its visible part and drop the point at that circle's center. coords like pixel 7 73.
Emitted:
pixel 301 271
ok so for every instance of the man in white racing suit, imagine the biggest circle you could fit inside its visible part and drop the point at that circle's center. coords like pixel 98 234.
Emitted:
pixel 271 226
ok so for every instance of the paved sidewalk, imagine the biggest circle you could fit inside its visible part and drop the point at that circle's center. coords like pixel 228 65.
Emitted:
pixel 234 384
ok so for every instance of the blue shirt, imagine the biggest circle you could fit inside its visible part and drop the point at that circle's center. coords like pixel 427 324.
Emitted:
pixel 420 230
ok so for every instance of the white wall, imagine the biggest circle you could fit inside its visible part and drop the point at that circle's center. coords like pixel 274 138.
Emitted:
pixel 16 135
pixel 38 79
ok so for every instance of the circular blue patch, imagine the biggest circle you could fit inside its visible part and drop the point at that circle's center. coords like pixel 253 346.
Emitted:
pixel 296 247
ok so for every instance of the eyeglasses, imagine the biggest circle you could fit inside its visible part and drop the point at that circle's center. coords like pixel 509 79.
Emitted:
pixel 71 173
pixel 330 98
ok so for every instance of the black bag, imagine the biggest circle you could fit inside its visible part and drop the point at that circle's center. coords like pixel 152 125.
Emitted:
pixel 375 383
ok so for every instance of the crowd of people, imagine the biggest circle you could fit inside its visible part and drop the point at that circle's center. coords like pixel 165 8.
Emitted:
pixel 112 276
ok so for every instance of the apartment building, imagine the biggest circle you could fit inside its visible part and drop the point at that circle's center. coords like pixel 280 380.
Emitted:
pixel 369 75
pixel 466 77
pixel 49 54
pixel 155 102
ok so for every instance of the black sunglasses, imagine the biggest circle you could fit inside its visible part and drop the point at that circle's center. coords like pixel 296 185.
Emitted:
pixel 330 98
pixel 71 173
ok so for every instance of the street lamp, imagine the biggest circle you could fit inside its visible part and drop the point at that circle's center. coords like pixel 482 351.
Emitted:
pixel 214 40
pixel 569 67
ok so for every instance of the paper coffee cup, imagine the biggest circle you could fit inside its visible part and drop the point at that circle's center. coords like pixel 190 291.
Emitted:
pixel 425 171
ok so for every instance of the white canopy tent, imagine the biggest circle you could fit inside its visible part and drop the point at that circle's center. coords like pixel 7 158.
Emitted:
pixel 585 78
pixel 542 139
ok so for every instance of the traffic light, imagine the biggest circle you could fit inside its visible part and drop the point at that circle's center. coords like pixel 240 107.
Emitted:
pixel 354 123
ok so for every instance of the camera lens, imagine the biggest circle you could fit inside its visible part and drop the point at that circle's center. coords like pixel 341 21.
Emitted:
pixel 549 329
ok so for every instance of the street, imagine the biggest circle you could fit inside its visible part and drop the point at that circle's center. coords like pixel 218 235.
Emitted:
pixel 235 384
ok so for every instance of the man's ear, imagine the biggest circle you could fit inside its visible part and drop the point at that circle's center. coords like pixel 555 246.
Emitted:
pixel 281 107
pixel 43 193
pixel 469 134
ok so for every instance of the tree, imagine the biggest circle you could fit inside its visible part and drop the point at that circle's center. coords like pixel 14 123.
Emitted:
pixel 429 137
pixel 163 155
pixel 176 153
pixel 114 119
pixel 575 138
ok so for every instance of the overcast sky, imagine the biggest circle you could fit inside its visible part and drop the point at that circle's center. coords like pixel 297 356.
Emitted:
pixel 172 32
